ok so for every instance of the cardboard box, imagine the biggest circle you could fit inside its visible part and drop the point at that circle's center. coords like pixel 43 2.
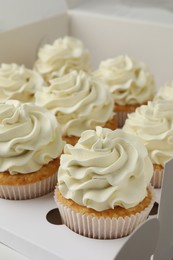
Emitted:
pixel 23 224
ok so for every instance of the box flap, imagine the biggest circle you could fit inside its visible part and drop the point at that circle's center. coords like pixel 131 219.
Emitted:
pixel 16 13
pixel 164 248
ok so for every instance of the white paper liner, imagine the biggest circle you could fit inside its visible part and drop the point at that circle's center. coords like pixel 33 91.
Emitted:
pixel 28 191
pixel 157 178
pixel 121 118
pixel 102 228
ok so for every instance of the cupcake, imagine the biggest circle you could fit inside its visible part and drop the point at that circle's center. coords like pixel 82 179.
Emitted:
pixel 165 93
pixel 30 147
pixel 79 102
pixel 153 124
pixel 59 58
pixel 103 186
pixel 130 83
pixel 18 82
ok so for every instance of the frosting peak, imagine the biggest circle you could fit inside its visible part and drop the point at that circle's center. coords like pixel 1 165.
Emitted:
pixel 105 169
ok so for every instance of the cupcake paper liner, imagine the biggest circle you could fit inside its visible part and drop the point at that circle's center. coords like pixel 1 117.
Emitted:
pixel 28 191
pixel 156 180
pixel 121 118
pixel 102 228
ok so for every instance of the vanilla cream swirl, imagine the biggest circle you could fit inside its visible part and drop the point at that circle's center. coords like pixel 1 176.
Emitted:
pixel 105 169
pixel 153 123
pixel 18 82
pixel 62 56
pixel 129 81
pixel 165 93
pixel 79 102
pixel 29 137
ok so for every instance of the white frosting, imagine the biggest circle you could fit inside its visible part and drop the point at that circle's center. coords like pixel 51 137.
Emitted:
pixel 105 169
pixel 18 82
pixel 79 101
pixel 153 123
pixel 165 93
pixel 29 137
pixel 64 55
pixel 129 81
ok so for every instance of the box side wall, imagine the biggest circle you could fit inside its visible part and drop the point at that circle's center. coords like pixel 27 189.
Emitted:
pixel 17 13
pixel 21 45
pixel 109 37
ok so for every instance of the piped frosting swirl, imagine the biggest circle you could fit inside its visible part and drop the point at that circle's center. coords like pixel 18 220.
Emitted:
pixel 64 55
pixel 129 81
pixel 153 124
pixel 30 137
pixel 79 102
pixel 18 82
pixel 105 169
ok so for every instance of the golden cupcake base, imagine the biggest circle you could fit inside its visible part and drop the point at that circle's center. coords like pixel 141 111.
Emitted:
pixel 31 185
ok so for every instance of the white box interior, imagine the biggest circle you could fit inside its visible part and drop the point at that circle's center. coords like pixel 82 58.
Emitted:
pixel 108 36
pixel 106 32
pixel 23 224
pixel 111 28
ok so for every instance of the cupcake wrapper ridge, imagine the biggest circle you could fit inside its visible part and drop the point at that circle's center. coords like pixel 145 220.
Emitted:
pixel 157 178
pixel 28 191
pixel 102 228
pixel 121 118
